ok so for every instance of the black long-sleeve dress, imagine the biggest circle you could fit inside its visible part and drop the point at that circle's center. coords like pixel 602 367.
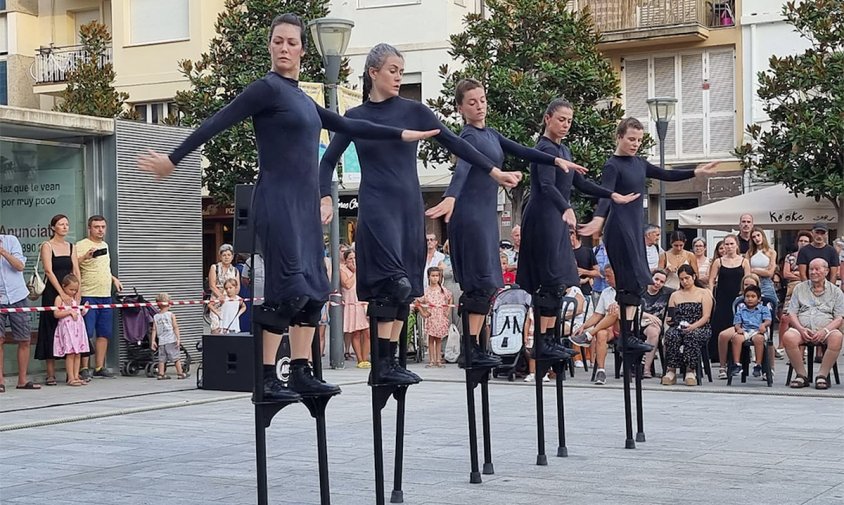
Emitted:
pixel 390 239
pixel 285 202
pixel 473 230
pixel 624 236
pixel 546 257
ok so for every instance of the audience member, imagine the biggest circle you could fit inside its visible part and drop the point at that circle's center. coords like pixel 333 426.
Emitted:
pixel 751 321
pixel 652 248
pixel 818 248
pixel 688 319
pixel 13 293
pixel 703 261
pixel 672 259
pixel 743 237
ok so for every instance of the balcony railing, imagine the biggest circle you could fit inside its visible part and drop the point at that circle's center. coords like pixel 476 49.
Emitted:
pixel 612 16
pixel 52 64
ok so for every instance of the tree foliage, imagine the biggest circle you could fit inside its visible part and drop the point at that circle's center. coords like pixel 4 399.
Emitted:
pixel 528 52
pixel 236 56
pixel 90 89
pixel 803 95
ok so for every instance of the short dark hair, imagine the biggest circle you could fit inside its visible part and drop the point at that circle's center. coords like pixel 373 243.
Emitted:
pixel 626 124
pixel 754 288
pixel 94 218
pixel 661 271
pixel 289 19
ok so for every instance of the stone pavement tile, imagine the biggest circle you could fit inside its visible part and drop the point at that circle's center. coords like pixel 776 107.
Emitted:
pixel 834 496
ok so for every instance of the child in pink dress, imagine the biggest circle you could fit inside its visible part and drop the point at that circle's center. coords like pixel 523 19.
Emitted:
pixel 436 312
pixel 70 339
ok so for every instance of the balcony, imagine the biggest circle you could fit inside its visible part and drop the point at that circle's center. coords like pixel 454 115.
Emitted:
pixel 640 22
pixel 53 64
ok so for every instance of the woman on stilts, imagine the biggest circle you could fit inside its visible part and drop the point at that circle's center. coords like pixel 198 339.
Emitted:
pixel 546 261
pixel 470 209
pixel 285 202
pixel 390 242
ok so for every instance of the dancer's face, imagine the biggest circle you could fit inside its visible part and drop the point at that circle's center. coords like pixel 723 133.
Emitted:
pixel 630 141
pixel 286 50
pixel 558 124
pixel 387 79
pixel 473 108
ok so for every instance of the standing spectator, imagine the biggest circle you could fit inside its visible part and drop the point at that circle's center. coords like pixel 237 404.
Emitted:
pixel 672 259
pixel 13 293
pixel 229 310
pixel 838 244
pixel 587 264
pixel 166 338
pixel 719 251
pixel 513 254
pixel 451 284
pixel 763 262
pixel 652 248
pixel 688 311
pixel 509 277
pixel 703 261
pixel 218 274
pixel 654 305
pixel 436 313
pixel 59 260
pixel 818 248
pixel 790 276
pixel 725 277
pixel 96 278
pixel 245 293
pixel 745 228
pixel 603 260
pixel 355 322
pixel 434 257
pixel 70 339
pixel 816 312
pixel 255 277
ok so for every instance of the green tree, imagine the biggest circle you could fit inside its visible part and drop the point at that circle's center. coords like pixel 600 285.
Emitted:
pixel 803 95
pixel 90 89
pixel 236 56
pixel 528 52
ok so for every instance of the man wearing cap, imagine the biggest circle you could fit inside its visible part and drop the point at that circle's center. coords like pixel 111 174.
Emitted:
pixel 818 248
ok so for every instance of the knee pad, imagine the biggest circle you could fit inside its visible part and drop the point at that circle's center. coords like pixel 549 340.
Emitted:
pixel 276 317
pixel 549 301
pixel 309 315
pixel 398 289
pixel 478 301
pixel 382 309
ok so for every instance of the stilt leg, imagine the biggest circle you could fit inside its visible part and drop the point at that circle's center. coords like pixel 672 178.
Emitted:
pixel 488 467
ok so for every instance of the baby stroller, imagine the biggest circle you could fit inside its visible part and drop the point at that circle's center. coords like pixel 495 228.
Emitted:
pixel 136 330
pixel 509 316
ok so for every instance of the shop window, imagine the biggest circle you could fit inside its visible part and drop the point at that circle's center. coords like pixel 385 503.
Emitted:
pixel 157 112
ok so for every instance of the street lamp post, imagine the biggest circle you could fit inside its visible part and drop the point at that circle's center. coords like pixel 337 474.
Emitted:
pixel 662 110
pixel 331 36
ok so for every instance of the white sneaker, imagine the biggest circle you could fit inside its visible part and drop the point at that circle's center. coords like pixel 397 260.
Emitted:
pixel 530 377
pixel 578 364
pixel 546 378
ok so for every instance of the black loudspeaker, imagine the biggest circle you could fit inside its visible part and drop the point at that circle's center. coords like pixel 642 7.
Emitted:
pixel 228 362
pixel 244 230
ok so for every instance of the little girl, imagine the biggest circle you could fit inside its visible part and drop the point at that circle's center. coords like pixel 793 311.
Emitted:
pixel 230 310
pixel 166 338
pixel 70 339
pixel 437 316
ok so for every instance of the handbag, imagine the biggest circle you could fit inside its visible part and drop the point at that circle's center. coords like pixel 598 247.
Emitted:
pixel 36 283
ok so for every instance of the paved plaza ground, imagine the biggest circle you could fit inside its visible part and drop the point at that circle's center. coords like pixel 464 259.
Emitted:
pixel 133 441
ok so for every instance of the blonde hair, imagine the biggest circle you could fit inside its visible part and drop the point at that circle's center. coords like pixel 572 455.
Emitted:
pixel 751 276
pixel 231 281
pixel 162 297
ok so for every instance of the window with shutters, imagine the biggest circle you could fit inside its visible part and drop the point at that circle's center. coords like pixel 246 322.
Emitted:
pixel 704 124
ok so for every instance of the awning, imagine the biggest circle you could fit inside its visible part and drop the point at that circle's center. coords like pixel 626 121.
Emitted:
pixel 774 207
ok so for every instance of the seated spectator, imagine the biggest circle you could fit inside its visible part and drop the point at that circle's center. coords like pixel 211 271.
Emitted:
pixel 816 312
pixel 528 334
pixel 601 328
pixel 689 309
pixel 654 305
pixel 578 314
pixel 751 321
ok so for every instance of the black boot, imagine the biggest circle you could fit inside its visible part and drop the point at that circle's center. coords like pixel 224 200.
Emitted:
pixel 633 345
pixel 394 347
pixel 389 373
pixel 275 390
pixel 480 359
pixel 302 380
pixel 552 350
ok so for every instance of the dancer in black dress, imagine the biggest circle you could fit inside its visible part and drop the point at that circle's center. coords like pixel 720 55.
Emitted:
pixel 546 260
pixel 390 241
pixel 625 172
pixel 470 208
pixel 286 199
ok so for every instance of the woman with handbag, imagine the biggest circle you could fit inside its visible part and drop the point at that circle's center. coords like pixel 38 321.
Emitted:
pixel 58 259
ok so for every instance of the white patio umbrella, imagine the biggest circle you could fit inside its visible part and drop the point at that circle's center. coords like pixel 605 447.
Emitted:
pixel 774 207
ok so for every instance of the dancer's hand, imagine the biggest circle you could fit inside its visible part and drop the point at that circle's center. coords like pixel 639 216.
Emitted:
pixel 570 218
pixel 415 135
pixel 326 209
pixel 157 164
pixel 622 199
pixel 444 208
pixel 506 179
pixel 592 227
pixel 707 169
pixel 567 165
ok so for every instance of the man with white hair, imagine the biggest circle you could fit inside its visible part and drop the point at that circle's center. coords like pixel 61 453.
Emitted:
pixel 815 313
